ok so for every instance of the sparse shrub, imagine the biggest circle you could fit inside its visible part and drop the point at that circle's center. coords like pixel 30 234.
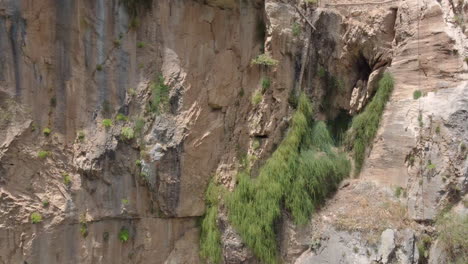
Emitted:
pixel 84 229
pixel 364 125
pixel 420 119
pixel 417 94
pixel 99 67
pixel 36 218
pixel 430 165
pixel 265 84
pixel 140 44
pixel 42 154
pixel 453 233
pixel 321 72
pixel 310 1
pixel 121 117
pixel 66 179
pixel 125 201
pixel 46 131
pixel 107 123
pixel 437 130
pixel 159 96
pixel 296 29
pixel 132 92
pixel 45 202
pixel 81 135
pixel 127 133
pixel 398 191
pixel 256 97
pixel 256 144
pixel 124 235
pixel 264 59
pixel 138 163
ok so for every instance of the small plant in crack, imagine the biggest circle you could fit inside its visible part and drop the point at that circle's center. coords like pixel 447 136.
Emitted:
pixel 124 235
pixel 46 131
pixel 36 218
pixel 417 94
pixel 66 179
pixel 42 154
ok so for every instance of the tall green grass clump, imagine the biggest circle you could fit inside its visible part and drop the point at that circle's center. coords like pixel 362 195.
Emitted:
pixel 364 126
pixel 159 96
pixel 299 175
pixel 210 238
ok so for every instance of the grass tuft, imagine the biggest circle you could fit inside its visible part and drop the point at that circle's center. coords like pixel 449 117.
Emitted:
pixel 107 123
pixel 417 94
pixel 124 235
pixel 36 218
pixel 264 59
pixel 364 126
pixel 453 231
pixel 127 133
pixel 159 96
pixel 210 238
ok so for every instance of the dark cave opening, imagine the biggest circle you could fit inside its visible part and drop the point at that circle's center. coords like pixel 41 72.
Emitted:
pixel 339 126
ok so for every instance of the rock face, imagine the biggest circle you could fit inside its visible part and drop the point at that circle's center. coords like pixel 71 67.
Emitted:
pixel 179 77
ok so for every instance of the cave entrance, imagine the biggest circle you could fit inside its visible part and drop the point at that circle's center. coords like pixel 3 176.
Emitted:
pixel 362 68
pixel 339 126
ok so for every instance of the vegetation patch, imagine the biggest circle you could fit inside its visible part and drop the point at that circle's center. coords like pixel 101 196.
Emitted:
pixel 257 97
pixel 417 94
pixel 127 133
pixel 364 126
pixel 66 179
pixel 107 123
pixel 453 233
pixel 264 59
pixel 298 177
pixel 265 84
pixel 124 235
pixel 159 96
pixel 296 29
pixel 42 154
pixel 210 238
pixel 46 131
pixel 36 218
pixel 121 117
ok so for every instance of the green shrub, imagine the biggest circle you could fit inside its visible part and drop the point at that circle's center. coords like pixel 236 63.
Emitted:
pixel 296 29
pixel 264 59
pixel 437 130
pixel 66 179
pixel 121 117
pixel 124 235
pixel 138 163
pixel 107 123
pixel 453 233
pixel 127 133
pixel 210 237
pixel 159 96
pixel 81 135
pixel 84 229
pixel 417 94
pixel 36 218
pixel 298 175
pixel 364 125
pixel 256 97
pixel 125 201
pixel 45 202
pixel 42 154
pixel 398 191
pixel 140 44
pixel 99 67
pixel 46 131
pixel 265 84
pixel 310 1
